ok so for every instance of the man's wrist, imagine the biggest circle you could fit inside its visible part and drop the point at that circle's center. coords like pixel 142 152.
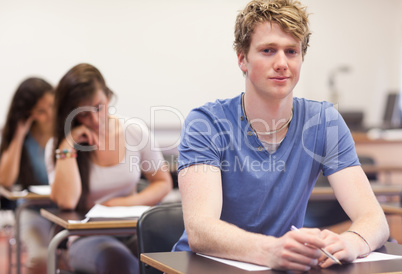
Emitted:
pixel 359 247
pixel 357 234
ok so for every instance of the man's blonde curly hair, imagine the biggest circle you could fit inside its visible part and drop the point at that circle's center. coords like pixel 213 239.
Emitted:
pixel 290 15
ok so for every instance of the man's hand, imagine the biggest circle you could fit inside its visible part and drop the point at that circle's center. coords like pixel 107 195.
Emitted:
pixel 338 246
pixel 297 250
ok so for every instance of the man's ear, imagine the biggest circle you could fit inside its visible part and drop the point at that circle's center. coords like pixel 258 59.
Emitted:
pixel 241 59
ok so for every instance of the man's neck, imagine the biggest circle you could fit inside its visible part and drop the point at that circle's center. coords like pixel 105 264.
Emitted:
pixel 267 114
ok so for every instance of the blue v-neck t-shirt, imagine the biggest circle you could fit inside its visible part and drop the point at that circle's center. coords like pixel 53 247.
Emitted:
pixel 262 192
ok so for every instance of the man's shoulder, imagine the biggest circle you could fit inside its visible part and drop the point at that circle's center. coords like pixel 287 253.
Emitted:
pixel 312 107
pixel 217 109
pixel 311 103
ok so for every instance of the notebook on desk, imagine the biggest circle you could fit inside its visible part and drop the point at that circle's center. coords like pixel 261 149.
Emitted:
pixel 40 189
pixel 101 211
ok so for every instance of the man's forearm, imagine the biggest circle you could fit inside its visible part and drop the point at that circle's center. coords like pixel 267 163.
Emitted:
pixel 221 239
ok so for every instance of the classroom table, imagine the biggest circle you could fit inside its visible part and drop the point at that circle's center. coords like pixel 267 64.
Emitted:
pixel 392 208
pixel 191 263
pixel 97 226
pixel 381 168
pixel 327 193
pixel 323 193
pixel 387 170
pixel 25 199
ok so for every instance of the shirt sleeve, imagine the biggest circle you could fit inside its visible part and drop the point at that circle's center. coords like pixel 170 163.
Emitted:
pixel 200 140
pixel 339 144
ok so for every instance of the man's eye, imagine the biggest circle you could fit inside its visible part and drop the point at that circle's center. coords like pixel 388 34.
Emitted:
pixel 267 50
pixel 292 52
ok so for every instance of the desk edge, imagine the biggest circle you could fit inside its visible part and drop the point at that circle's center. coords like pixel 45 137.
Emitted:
pixel 158 265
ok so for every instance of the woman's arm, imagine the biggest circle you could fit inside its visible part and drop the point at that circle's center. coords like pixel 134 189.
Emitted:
pixel 160 183
pixel 11 157
pixel 66 187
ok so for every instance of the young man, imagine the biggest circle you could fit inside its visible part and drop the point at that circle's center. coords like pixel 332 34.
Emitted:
pixel 247 165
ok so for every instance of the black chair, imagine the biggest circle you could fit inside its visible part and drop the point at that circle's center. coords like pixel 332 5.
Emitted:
pixel 368 161
pixel 324 213
pixel 327 213
pixel 158 229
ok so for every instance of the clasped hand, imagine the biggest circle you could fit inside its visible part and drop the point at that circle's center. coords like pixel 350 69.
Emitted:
pixel 300 250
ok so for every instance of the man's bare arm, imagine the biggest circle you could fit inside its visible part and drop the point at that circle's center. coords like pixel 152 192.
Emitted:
pixel 201 190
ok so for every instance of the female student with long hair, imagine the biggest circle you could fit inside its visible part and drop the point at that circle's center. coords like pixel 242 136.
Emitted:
pixel 27 128
pixel 96 158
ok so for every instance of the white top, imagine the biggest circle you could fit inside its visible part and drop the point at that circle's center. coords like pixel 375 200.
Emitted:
pixel 121 179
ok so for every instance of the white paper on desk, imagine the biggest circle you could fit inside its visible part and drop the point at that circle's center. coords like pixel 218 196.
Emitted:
pixel 101 211
pixel 21 193
pixel 242 265
pixel 40 189
pixel 377 256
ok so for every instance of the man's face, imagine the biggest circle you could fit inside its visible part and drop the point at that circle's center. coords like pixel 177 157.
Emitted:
pixel 273 63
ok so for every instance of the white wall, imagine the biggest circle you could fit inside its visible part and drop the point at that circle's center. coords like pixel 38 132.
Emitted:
pixel 179 54
pixel 365 35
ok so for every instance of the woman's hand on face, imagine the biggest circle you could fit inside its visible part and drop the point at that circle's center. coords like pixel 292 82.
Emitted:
pixel 82 135
pixel 23 127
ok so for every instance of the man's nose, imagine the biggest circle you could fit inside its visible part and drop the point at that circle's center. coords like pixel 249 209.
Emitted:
pixel 281 62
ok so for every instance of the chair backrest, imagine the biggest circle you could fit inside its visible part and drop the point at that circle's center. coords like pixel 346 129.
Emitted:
pixel 368 161
pixel 327 213
pixel 324 213
pixel 158 229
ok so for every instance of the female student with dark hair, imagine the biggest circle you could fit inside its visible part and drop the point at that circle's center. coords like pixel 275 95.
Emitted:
pixel 27 128
pixel 97 158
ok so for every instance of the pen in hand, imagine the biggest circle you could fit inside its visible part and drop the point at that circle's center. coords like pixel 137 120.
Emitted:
pixel 329 255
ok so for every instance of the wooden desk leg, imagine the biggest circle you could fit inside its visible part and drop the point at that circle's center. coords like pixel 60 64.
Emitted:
pixel 52 250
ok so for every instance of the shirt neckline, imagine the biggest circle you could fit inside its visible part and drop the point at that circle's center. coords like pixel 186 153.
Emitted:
pixel 256 143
